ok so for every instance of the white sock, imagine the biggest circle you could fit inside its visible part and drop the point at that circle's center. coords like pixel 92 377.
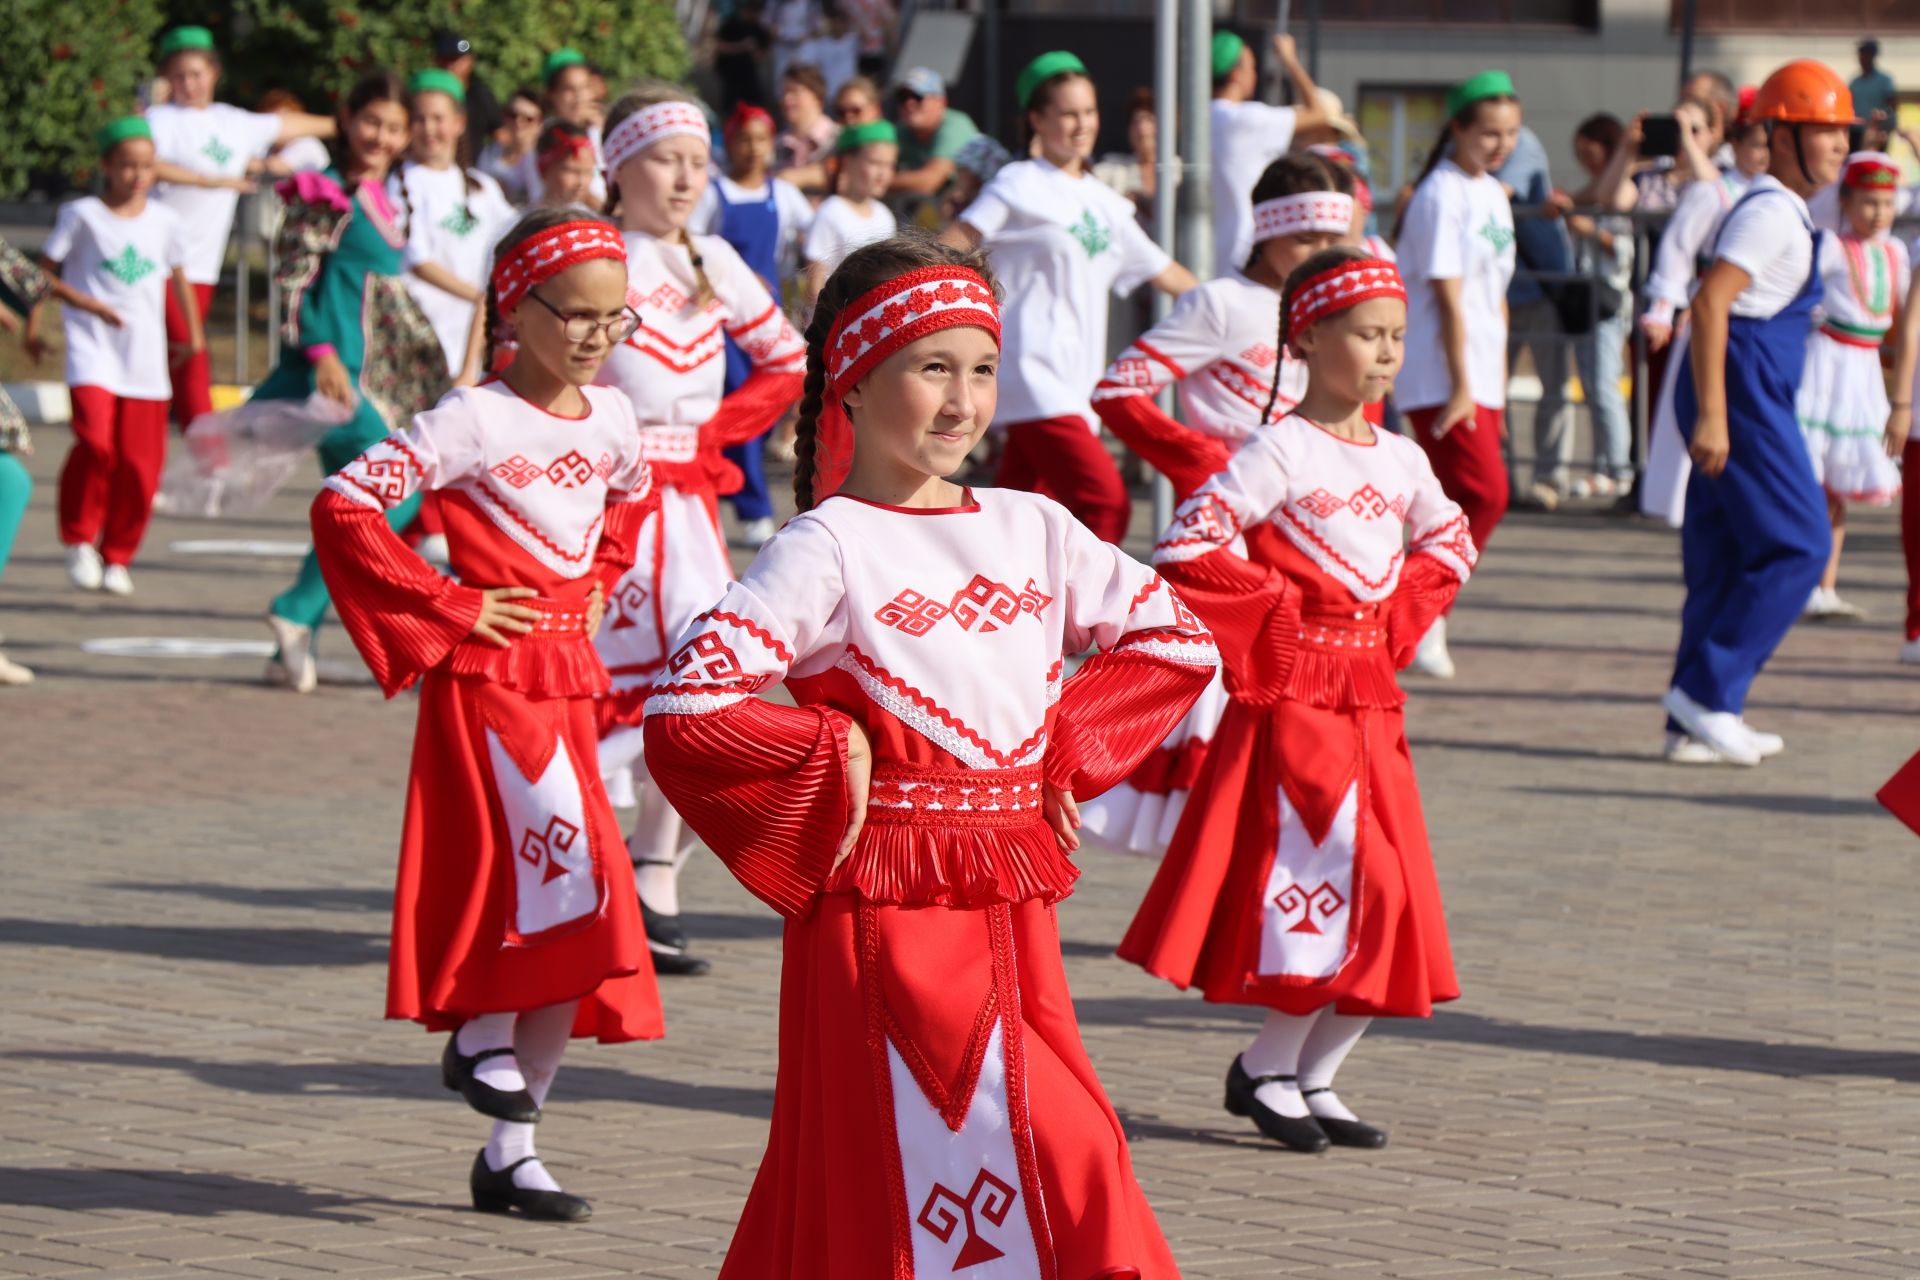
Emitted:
pixel 654 847
pixel 539 1040
pixel 1276 1052
pixel 1328 1044
pixel 491 1031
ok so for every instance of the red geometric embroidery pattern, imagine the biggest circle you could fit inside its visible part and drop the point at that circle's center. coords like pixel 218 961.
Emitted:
pixel 517 471
pixel 1366 502
pixel 983 605
pixel 705 655
pixel 911 612
pixel 920 701
pixel 1235 381
pixel 628 605
pixel 883 320
pixel 989 1199
pixel 1260 355
pixel 1205 519
pixel 388 478
pixel 1295 897
pixel 539 846
pixel 570 470
pixel 664 298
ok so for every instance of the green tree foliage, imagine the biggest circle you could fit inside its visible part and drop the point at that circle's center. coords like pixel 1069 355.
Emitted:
pixel 67 74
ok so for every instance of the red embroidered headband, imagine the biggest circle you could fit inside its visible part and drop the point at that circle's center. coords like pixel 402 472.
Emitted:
pixel 1341 288
pixel 1297 214
pixel 873 327
pixel 1870 169
pixel 541 257
pixel 562 147
pixel 743 115
pixel 653 124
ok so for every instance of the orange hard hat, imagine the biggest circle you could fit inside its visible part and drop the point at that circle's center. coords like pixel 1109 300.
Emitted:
pixel 1804 92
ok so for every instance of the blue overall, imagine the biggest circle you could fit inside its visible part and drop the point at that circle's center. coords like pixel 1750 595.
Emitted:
pixel 1756 536
pixel 752 227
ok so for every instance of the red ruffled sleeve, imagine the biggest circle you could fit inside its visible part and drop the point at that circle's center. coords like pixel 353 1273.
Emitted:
pixel 1184 456
pixel 1117 709
pixel 404 617
pixel 1427 588
pixel 754 406
pixel 1254 614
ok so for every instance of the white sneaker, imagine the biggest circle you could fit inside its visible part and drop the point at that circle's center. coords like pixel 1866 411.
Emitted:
pixel 293 668
pixel 12 672
pixel 1681 749
pixel 433 549
pixel 1720 730
pixel 754 533
pixel 84 566
pixel 1432 658
pixel 1910 652
pixel 1766 744
pixel 115 580
pixel 1827 606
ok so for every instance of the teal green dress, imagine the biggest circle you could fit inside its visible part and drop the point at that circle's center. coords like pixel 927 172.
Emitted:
pixel 339 263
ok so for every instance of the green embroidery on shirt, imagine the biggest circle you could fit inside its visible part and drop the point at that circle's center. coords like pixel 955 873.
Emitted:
pixel 217 151
pixel 461 221
pixel 1093 236
pixel 130 267
pixel 1501 238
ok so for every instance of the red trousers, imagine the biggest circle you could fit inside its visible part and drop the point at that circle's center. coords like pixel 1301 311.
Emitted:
pixel 1910 531
pixel 1471 463
pixel 112 472
pixel 192 374
pixel 1063 459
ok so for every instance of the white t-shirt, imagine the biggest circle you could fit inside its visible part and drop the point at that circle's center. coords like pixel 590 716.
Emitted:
pixel 790 205
pixel 1062 244
pixel 457 229
pixel 1457 228
pixel 304 155
pixel 128 264
pixel 838 229
pixel 1770 237
pixel 1247 137
pixel 219 141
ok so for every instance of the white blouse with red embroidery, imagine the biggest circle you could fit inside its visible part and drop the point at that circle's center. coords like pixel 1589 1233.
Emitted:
pixel 673 368
pixel 1356 511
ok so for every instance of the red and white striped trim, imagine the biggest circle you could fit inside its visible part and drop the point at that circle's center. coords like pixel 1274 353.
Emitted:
pixel 653 124
pixel 1300 214
pixel 542 256
pixel 1345 286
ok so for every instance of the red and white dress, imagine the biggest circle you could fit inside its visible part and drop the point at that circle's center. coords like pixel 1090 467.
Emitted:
pixel 1842 404
pixel 514 889
pixel 935 1110
pixel 1302 877
pixel 674 369
pixel 1220 344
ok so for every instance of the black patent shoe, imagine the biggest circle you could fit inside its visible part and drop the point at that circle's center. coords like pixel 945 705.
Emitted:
pixel 667 944
pixel 494 1192
pixel 1348 1133
pixel 1301 1133
pixel 456 1072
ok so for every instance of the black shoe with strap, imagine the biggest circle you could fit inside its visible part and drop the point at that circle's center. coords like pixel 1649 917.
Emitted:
pixel 1347 1133
pixel 494 1191
pixel 1301 1133
pixel 666 940
pixel 456 1072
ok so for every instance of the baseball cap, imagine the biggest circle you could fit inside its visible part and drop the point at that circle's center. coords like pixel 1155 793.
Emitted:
pixel 924 82
pixel 448 45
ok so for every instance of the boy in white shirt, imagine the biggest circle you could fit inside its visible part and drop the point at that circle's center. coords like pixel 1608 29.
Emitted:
pixel 1756 535
pixel 125 250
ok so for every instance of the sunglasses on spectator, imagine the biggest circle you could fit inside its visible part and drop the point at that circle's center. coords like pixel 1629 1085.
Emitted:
pixel 908 95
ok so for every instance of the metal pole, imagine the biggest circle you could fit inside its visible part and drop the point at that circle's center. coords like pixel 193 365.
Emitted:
pixel 1279 90
pixel 1196 139
pixel 1313 40
pixel 1686 42
pixel 242 296
pixel 990 66
pixel 1166 168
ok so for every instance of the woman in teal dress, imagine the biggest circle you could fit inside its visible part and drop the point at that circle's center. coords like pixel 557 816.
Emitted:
pixel 353 333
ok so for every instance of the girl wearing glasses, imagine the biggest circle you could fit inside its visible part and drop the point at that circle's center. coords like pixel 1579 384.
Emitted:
pixel 691 291
pixel 514 922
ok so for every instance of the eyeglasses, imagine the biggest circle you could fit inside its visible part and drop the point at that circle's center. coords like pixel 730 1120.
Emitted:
pixel 908 95
pixel 579 329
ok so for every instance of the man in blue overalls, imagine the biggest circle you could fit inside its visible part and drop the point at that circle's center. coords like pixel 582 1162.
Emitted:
pixel 1756 535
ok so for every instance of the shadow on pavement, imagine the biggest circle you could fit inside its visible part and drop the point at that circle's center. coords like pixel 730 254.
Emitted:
pixel 1761 801
pixel 316 898
pixel 228 944
pixel 82 1190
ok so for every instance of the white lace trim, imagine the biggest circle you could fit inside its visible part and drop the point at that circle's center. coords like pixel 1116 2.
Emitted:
pixel 1192 653
pixel 359 495
pixel 1340 573
pixel 935 730
pixel 689 704
pixel 502 518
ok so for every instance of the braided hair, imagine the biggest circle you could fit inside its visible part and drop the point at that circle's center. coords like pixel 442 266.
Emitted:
pixel 531 224
pixel 651 93
pixel 1295 173
pixel 865 269
pixel 1325 260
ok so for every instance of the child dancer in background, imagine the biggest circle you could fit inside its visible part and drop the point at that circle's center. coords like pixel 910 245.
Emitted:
pixel 454 215
pixel 1218 344
pixel 1301 879
pixel 863 164
pixel 571 85
pixel 567 165
pixel 514 925
pixel 1455 243
pixel 130 252
pixel 689 290
pixel 353 332
pixel 934 1107
pixel 1842 404
pixel 23 287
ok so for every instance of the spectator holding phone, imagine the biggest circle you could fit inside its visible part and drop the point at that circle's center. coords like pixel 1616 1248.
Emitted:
pixel 1603 250
pixel 1873 90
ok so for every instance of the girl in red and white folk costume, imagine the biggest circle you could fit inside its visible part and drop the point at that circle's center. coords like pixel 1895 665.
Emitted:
pixel 514 922
pixel 935 1110
pixel 1219 344
pixel 689 290
pixel 1300 879
pixel 1842 406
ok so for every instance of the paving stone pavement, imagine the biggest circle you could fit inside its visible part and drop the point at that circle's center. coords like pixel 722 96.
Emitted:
pixel 1689 1043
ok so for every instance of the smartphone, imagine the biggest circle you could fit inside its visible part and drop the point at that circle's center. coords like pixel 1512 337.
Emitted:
pixel 1660 136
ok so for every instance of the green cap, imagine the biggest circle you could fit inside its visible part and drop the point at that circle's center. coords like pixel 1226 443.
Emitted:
pixel 1488 84
pixel 115 132
pixel 182 39
pixel 1227 48
pixel 1043 68
pixel 855 136
pixel 559 60
pixel 435 80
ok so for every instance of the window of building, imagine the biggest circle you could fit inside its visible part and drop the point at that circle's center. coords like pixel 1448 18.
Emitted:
pixel 1549 13
pixel 1815 17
